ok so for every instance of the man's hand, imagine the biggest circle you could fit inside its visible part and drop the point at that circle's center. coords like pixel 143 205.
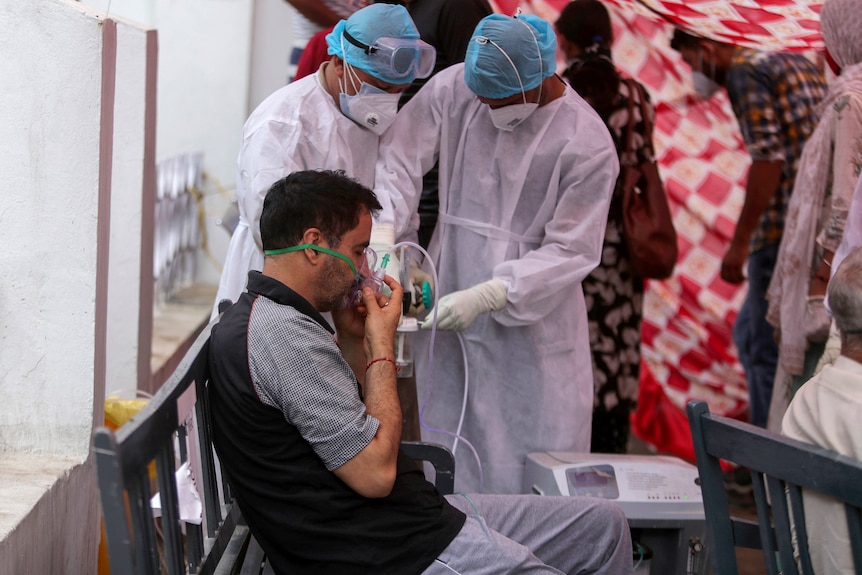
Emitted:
pixel 371 473
pixel 733 263
pixel 764 177
pixel 381 319
pixel 375 319
pixel 350 323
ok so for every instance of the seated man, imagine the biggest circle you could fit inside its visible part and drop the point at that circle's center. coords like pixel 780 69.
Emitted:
pixel 824 412
pixel 308 429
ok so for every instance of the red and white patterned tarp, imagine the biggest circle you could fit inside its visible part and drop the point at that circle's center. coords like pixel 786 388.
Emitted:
pixel 770 24
pixel 687 347
pixel 764 24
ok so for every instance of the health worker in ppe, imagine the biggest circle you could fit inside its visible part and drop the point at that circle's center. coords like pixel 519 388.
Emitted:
pixel 330 120
pixel 526 174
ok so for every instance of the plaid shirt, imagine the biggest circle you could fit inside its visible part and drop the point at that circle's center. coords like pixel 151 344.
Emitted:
pixel 775 97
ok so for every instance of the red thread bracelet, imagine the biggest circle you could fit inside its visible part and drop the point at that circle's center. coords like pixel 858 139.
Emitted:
pixel 392 361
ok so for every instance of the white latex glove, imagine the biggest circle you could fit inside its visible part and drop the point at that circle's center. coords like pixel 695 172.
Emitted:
pixel 418 277
pixel 382 240
pixel 457 310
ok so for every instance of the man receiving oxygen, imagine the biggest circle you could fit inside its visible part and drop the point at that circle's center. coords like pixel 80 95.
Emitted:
pixel 526 174
pixel 330 120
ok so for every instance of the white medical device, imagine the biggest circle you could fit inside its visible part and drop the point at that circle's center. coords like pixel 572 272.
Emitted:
pixel 659 494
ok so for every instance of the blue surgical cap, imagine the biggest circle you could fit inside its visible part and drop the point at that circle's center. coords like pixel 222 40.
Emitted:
pixel 367 25
pixel 487 70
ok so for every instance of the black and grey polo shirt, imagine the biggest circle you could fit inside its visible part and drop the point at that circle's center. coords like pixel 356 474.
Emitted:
pixel 286 411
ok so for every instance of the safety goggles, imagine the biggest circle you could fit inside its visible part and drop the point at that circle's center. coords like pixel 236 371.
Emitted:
pixel 402 56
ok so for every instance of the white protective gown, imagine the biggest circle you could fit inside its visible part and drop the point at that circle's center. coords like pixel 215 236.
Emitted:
pixel 298 127
pixel 528 207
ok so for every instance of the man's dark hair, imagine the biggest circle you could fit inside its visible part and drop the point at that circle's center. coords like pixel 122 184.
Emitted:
pixel 586 23
pixel 323 199
pixel 682 39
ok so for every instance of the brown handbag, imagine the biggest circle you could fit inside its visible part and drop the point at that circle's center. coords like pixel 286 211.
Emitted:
pixel 647 222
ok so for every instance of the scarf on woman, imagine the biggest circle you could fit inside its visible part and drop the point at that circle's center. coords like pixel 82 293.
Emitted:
pixel 841 21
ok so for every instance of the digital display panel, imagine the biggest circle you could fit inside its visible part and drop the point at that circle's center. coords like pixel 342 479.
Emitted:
pixel 593 481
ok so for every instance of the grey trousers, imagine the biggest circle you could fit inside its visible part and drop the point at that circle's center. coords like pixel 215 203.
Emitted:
pixel 536 535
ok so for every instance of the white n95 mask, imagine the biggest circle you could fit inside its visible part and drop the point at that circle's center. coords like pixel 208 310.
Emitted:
pixel 509 117
pixel 372 108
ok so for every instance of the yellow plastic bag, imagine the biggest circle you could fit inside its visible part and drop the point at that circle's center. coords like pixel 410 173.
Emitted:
pixel 119 411
pixel 119 408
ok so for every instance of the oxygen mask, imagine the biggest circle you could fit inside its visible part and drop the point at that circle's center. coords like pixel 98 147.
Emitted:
pixel 367 277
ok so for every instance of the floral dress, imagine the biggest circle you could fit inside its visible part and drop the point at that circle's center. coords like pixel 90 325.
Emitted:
pixel 614 298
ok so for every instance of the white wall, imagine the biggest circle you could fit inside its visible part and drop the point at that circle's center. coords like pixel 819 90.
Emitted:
pixel 218 59
pixel 59 123
pixel 56 122
pixel 204 83
pixel 203 86
pixel 204 64
pixel 205 52
pixel 50 118
pixel 130 277
pixel 271 44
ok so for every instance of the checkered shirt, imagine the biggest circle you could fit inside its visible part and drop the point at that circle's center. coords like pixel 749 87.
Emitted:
pixel 775 97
